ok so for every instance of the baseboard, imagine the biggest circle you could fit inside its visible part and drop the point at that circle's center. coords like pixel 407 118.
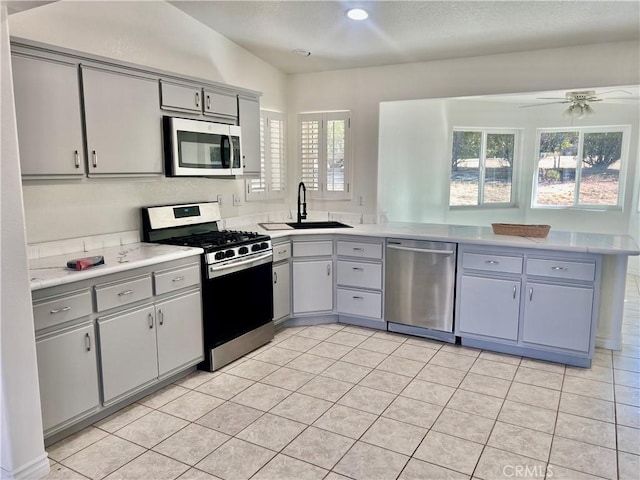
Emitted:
pixel 36 468
pixel 608 343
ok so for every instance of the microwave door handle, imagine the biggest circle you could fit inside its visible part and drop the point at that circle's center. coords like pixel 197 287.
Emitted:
pixel 232 155
pixel 223 152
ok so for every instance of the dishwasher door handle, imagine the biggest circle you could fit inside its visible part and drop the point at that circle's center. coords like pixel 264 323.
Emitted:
pixel 422 250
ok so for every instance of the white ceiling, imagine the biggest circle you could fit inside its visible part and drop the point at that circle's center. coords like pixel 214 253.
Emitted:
pixel 410 31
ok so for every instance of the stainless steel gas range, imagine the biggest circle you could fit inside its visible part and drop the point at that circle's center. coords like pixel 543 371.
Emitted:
pixel 237 296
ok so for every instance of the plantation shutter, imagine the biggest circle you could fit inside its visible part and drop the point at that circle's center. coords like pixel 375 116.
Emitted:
pixel 276 155
pixel 310 150
pixel 336 137
pixel 259 185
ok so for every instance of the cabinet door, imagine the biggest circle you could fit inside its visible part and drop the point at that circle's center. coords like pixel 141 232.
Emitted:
pixel 123 123
pixel 179 322
pixel 68 375
pixel 217 103
pixel 312 286
pixel 249 118
pixel 489 306
pixel 558 316
pixel 128 352
pixel 281 291
pixel 48 114
pixel 180 97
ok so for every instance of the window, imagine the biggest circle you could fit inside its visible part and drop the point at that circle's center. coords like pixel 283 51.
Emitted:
pixel 271 183
pixel 581 167
pixel 325 154
pixel 482 167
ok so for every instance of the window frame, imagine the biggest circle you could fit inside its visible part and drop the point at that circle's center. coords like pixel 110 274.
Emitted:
pixel 268 161
pixel 624 162
pixel 517 154
pixel 324 117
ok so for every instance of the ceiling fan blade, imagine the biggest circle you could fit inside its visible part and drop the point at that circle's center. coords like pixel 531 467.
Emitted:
pixel 614 91
pixel 541 104
pixel 621 98
pixel 550 98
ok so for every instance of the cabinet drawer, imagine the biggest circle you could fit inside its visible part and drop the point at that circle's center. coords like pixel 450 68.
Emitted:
pixel 562 269
pixel 312 249
pixel 359 274
pixel 358 249
pixel 360 304
pixel 281 251
pixel 220 104
pixel 63 308
pixel 492 263
pixel 116 294
pixel 166 281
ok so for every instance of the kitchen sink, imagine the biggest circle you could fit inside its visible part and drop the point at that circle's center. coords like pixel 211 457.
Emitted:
pixel 302 225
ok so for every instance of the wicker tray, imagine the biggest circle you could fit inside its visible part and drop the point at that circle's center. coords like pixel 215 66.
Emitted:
pixel 521 230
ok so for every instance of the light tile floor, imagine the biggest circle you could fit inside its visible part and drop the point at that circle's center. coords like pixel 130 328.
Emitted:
pixel 336 401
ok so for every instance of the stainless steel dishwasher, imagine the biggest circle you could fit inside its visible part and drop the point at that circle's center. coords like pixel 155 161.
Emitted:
pixel 418 287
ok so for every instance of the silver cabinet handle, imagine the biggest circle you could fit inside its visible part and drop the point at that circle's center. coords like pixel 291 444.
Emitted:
pixel 208 102
pixel 150 320
pixel 87 342
pixel 530 294
pixel 77 158
pixel 161 317
pixel 358 249
pixel 197 99
pixel 275 277
pixel 280 252
pixel 125 293
pixel 421 250
pixel 491 262
pixel 355 297
pixel 177 279
pixel 561 269
pixel 359 269
pixel 328 269
pixel 514 291
pixel 94 155
pixel 60 310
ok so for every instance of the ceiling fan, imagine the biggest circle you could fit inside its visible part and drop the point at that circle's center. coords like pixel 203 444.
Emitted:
pixel 579 102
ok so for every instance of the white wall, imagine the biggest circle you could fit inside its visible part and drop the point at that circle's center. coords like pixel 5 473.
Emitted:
pixel 362 90
pixel 21 444
pixel 158 35
pixel 420 166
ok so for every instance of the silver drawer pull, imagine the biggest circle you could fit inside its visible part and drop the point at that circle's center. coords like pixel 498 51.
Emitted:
pixel 208 102
pixel 355 297
pixel 491 262
pixel 197 99
pixel 77 159
pixel 328 269
pixel 178 279
pixel 359 268
pixel 161 317
pixel 95 159
pixel 530 294
pixel 150 320
pixel 60 310
pixel 358 249
pixel 514 291
pixel 560 269
pixel 87 342
pixel 126 292
pixel 280 252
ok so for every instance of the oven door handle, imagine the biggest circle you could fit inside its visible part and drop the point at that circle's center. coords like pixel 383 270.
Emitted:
pixel 219 270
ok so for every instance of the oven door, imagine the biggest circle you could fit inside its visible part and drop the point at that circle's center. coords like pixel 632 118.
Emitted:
pixel 237 299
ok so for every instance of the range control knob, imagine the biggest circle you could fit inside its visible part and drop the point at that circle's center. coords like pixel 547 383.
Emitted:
pixel 219 255
pixel 255 247
pixel 229 253
pixel 243 250
pixel 264 245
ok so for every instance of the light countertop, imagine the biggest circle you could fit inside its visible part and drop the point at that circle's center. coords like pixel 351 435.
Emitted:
pixel 599 243
pixel 51 271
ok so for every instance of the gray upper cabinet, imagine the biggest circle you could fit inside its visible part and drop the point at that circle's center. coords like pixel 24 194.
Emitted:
pixel 180 97
pixel 220 104
pixel 249 120
pixel 48 114
pixel 123 123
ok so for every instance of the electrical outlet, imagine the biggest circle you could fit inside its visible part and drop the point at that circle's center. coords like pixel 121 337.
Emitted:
pixel 219 200
pixel 236 200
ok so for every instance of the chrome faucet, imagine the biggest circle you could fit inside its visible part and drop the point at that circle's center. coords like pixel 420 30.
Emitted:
pixel 303 203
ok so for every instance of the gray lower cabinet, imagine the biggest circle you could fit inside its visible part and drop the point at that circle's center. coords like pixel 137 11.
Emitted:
pixel 68 374
pixel 123 123
pixel 128 351
pixel 281 291
pixel 558 315
pixel 312 276
pixel 489 306
pixel 48 114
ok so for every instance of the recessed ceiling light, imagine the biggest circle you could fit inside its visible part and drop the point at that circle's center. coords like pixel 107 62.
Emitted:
pixel 357 14
pixel 301 52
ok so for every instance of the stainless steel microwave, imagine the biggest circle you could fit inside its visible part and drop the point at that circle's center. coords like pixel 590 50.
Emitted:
pixel 197 148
